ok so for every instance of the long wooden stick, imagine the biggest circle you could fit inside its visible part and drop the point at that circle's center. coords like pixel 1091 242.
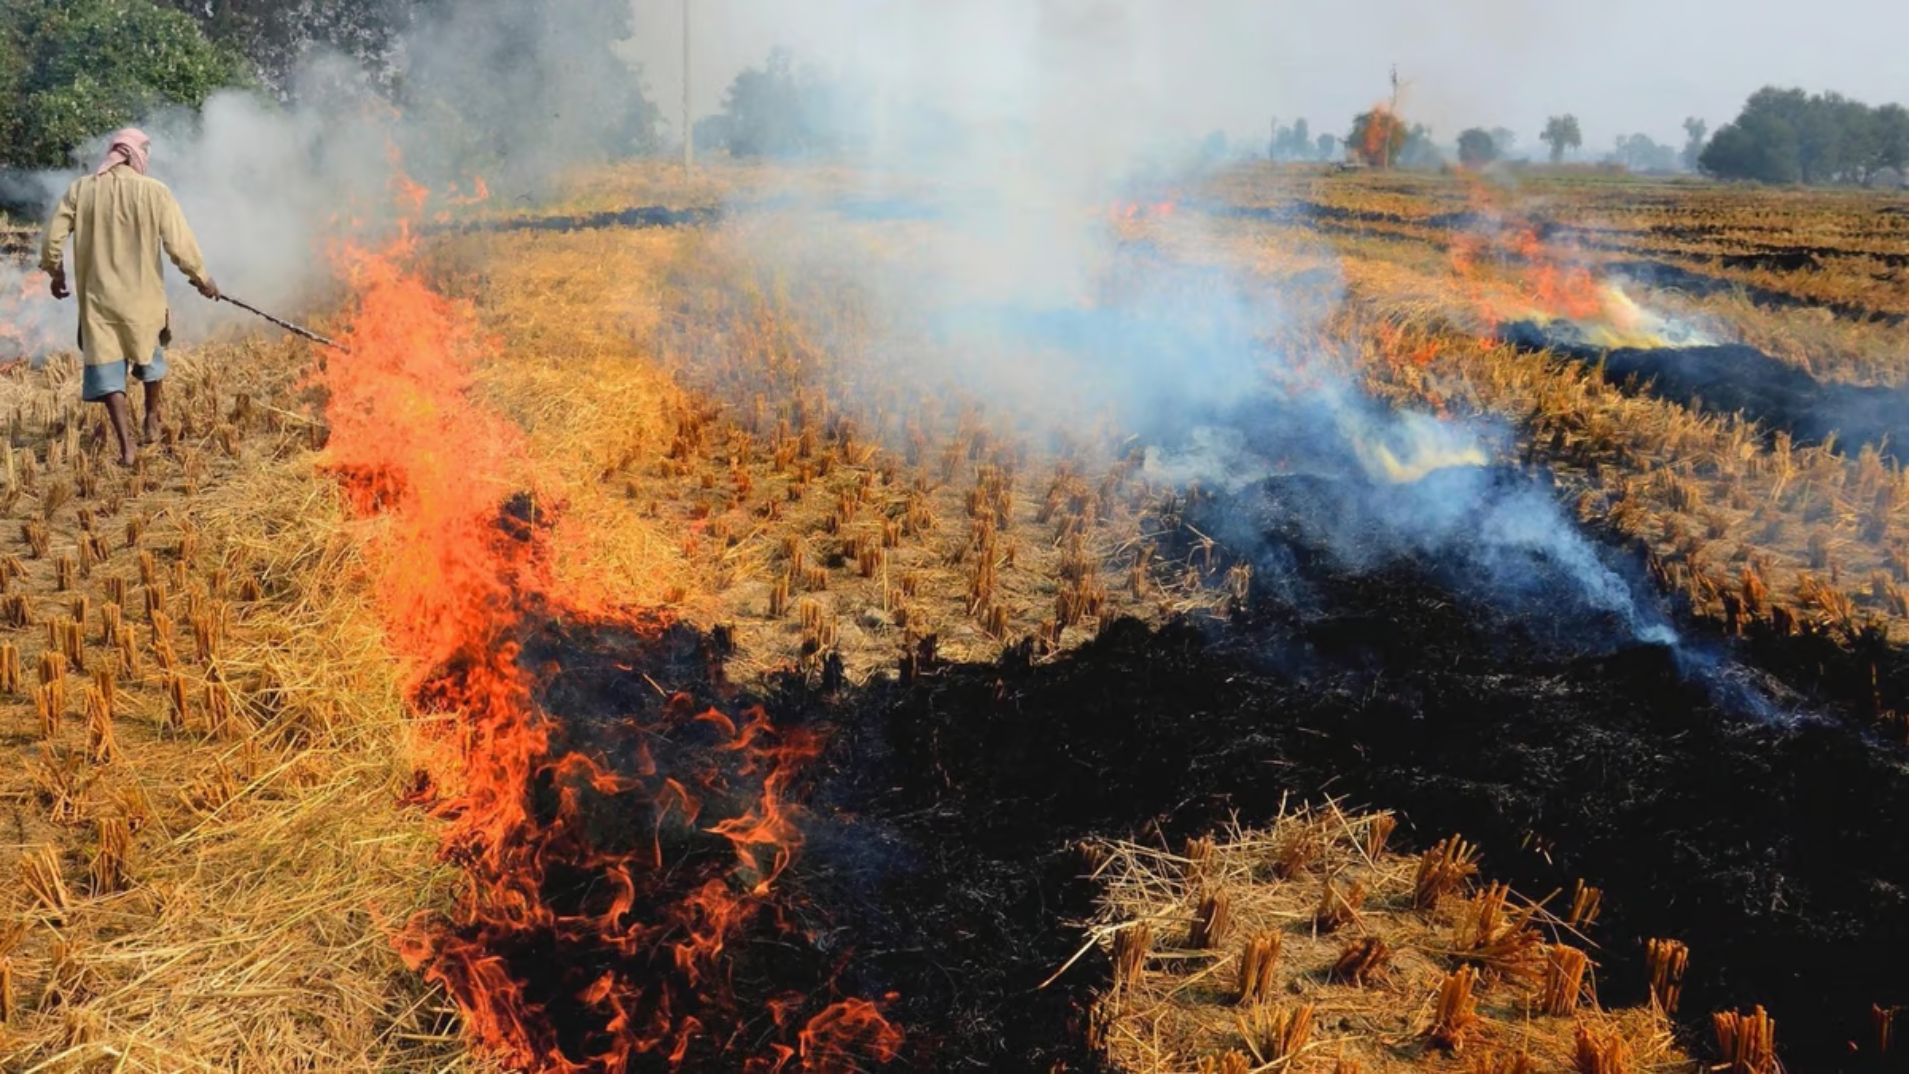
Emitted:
pixel 282 323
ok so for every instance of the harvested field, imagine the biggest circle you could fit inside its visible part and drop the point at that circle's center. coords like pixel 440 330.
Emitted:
pixel 693 666
pixel 1437 315
pixel 204 769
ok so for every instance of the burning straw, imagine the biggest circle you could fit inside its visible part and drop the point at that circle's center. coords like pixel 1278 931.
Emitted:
pixel 467 557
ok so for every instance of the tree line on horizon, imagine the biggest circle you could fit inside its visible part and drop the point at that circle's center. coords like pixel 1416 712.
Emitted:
pixel 1782 136
pixel 71 70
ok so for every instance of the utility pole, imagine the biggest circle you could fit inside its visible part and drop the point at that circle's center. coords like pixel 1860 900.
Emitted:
pixel 686 86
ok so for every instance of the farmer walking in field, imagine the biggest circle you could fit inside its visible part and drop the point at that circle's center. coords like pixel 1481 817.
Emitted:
pixel 121 220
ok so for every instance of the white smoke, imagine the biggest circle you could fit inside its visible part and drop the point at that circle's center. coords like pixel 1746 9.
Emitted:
pixel 511 93
pixel 1026 124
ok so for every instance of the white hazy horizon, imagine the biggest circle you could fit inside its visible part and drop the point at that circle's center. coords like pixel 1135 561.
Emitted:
pixel 1235 65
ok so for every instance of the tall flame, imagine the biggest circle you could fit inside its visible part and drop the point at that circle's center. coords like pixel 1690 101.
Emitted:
pixel 573 945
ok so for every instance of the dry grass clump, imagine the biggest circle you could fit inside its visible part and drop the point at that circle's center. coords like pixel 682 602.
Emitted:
pixel 1257 959
pixel 1443 868
pixel 1277 1035
pixel 1585 907
pixel 1338 905
pixel 1745 1041
pixel 1211 921
pixel 1566 975
pixel 1602 1052
pixel 797 475
pixel 1389 991
pixel 1131 944
pixel 1454 1010
pixel 1666 968
pixel 1494 934
pixel 1360 960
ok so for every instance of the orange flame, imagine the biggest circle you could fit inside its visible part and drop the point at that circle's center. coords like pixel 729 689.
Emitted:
pixel 1551 283
pixel 480 193
pixel 461 570
pixel 1376 142
pixel 27 317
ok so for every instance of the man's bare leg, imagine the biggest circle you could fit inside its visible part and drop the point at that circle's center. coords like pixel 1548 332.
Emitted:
pixel 122 417
pixel 155 421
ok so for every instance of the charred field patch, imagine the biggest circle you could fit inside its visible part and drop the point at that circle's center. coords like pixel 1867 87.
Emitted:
pixel 1665 275
pixel 1735 378
pixel 939 875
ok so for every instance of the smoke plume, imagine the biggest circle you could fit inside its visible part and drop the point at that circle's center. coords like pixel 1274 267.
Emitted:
pixel 491 95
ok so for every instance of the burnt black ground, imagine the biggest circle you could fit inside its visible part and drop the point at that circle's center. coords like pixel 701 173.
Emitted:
pixel 1741 379
pixel 1664 275
pixel 1776 850
pixel 940 817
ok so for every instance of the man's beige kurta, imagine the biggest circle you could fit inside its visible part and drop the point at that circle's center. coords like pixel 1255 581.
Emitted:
pixel 120 222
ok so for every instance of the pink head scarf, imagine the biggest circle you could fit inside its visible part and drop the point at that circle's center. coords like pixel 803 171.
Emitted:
pixel 127 147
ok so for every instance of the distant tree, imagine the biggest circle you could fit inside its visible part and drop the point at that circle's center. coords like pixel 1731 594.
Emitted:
pixel 515 88
pixel 1327 143
pixel 1757 148
pixel 1420 150
pixel 1503 140
pixel 1477 148
pixel 74 69
pixel 1561 133
pixel 1640 153
pixel 1696 140
pixel 1377 137
pixel 1290 143
pixel 1889 123
pixel 777 110
pixel 1788 136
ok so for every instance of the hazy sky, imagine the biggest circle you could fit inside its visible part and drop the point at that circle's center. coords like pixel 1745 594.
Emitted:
pixel 1621 66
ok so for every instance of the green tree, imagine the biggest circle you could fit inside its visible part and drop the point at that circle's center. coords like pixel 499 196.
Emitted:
pixel 1755 148
pixel 778 110
pixel 1889 124
pixel 1290 143
pixel 1477 149
pixel 1696 141
pixel 274 35
pixel 1561 134
pixel 71 70
pixel 1420 151
pixel 1327 144
pixel 1789 136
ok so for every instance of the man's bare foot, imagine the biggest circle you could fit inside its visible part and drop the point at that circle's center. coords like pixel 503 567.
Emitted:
pixel 129 459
